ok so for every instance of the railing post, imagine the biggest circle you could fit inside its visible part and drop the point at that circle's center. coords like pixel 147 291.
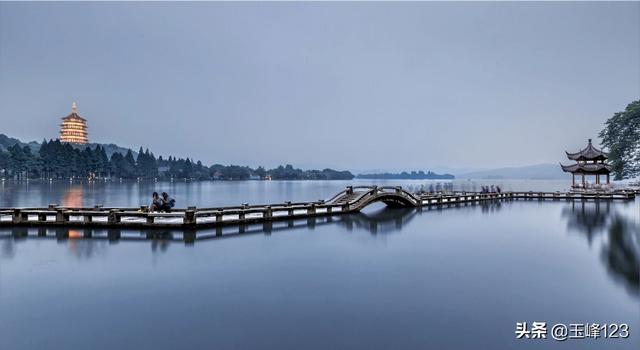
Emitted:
pixel 219 216
pixel 60 216
pixel 190 216
pixel 16 217
pixel 290 211
pixel 268 213
pixel 113 217
pixel 349 189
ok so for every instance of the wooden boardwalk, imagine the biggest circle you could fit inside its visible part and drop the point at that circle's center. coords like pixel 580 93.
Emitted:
pixel 351 200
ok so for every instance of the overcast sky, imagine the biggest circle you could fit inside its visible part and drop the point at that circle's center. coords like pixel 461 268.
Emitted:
pixel 347 85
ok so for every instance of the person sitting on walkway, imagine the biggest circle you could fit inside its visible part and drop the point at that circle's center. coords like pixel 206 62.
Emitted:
pixel 167 202
pixel 156 202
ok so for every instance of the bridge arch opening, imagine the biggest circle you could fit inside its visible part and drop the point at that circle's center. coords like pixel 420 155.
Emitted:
pixel 391 200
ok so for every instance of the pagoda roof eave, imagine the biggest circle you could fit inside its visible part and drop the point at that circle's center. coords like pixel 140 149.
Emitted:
pixel 590 168
pixel 73 116
pixel 588 153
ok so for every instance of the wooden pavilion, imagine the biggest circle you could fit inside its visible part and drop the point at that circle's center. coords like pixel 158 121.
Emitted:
pixel 589 161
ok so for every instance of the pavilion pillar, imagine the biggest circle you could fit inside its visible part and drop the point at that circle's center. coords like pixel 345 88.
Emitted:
pixel 607 179
pixel 573 179
pixel 597 179
pixel 583 182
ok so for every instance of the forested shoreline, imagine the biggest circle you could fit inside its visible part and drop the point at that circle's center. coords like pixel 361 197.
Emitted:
pixel 56 160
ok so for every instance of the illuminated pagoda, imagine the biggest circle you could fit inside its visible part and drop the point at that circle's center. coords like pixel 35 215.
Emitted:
pixel 74 128
pixel 589 161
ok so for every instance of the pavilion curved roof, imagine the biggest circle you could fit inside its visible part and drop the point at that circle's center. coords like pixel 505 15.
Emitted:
pixel 588 153
pixel 586 168
pixel 74 115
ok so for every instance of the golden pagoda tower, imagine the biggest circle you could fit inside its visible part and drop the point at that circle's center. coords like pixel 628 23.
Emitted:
pixel 74 128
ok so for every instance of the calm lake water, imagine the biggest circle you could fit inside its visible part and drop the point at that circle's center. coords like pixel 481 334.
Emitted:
pixel 455 278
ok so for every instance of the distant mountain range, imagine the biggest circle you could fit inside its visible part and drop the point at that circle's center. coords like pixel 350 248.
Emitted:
pixel 414 175
pixel 530 172
pixel 6 142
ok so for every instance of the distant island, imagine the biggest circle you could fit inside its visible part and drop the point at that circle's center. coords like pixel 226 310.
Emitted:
pixel 414 175
pixel 57 160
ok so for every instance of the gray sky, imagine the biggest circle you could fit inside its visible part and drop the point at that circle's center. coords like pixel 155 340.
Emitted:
pixel 347 85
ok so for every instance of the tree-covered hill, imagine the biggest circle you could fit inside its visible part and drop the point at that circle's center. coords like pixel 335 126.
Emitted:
pixel 55 160
pixel 6 142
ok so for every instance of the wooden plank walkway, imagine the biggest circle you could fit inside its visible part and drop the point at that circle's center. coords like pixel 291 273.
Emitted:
pixel 352 199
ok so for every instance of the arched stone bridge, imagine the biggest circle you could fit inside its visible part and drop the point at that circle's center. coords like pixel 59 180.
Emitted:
pixel 356 198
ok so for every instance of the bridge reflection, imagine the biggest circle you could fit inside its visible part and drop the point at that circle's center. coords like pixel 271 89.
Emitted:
pixel 620 236
pixel 83 241
pixel 382 221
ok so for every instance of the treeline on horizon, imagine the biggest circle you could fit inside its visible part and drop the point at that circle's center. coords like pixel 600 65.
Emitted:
pixel 414 175
pixel 57 160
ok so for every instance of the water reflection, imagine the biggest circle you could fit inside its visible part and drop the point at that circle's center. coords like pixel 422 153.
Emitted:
pixel 621 246
pixel 72 197
pixel 86 242
pixel 588 218
pixel 87 248
pixel 620 241
pixel 384 221
pixel 161 239
pixel 621 253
